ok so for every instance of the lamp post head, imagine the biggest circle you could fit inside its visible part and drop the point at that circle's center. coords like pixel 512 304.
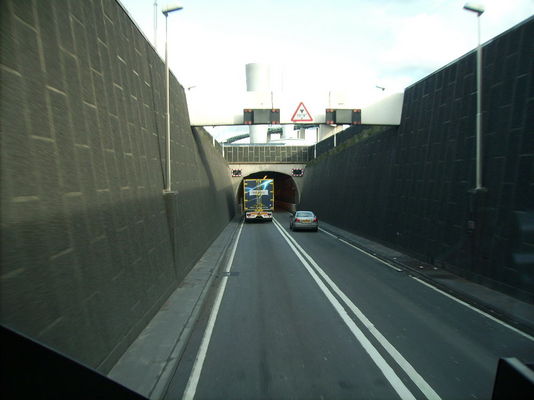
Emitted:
pixel 171 8
pixel 477 8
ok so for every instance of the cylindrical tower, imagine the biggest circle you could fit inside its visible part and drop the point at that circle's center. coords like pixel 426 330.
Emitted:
pixel 288 132
pixel 258 77
pixel 258 80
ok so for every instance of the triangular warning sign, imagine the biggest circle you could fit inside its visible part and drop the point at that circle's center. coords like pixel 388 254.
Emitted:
pixel 301 114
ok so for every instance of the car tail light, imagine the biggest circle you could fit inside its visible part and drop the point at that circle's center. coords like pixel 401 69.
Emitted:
pixel 315 219
pixel 297 219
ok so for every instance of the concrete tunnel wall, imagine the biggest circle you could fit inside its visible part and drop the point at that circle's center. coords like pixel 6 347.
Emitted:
pixel 410 187
pixel 87 252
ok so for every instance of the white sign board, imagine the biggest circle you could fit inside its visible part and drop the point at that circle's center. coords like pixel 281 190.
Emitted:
pixel 258 192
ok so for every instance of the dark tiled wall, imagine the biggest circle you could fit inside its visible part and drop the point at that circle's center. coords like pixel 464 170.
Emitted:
pixel 87 257
pixel 325 145
pixel 411 187
pixel 266 154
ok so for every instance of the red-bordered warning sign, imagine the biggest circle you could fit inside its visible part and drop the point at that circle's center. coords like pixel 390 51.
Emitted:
pixel 301 114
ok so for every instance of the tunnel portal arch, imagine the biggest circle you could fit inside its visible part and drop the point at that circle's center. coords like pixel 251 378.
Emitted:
pixel 286 190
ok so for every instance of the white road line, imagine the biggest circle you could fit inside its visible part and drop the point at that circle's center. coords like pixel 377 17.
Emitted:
pixel 474 308
pixel 380 362
pixel 399 359
pixel 362 251
pixel 328 233
pixel 192 383
pixel 370 255
pixel 438 290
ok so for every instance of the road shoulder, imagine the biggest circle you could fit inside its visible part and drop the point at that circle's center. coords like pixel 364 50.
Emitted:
pixel 149 363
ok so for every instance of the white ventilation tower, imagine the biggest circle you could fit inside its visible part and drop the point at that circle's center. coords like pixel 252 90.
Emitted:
pixel 258 80
pixel 288 132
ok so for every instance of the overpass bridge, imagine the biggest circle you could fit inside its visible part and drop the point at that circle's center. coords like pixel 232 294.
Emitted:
pixel 261 106
pixel 219 109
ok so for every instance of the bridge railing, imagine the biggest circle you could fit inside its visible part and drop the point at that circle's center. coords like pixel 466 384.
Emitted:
pixel 266 154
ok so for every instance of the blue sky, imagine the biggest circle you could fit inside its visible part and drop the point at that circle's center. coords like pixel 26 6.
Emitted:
pixel 320 45
pixel 331 43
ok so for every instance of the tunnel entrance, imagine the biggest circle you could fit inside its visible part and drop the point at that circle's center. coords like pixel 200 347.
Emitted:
pixel 286 193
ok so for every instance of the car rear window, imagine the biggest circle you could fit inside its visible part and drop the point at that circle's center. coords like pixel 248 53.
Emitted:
pixel 304 214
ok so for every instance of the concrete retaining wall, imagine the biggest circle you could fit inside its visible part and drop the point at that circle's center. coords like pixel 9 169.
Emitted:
pixel 88 254
pixel 410 187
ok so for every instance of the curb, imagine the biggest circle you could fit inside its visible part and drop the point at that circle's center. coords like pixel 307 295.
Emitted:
pixel 164 380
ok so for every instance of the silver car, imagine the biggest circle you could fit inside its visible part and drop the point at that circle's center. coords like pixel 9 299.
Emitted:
pixel 305 220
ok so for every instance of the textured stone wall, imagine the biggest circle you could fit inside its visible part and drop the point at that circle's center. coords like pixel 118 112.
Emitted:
pixel 89 250
pixel 411 187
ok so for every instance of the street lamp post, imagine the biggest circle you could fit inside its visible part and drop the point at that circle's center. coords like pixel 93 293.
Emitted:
pixel 479 10
pixel 155 24
pixel 166 11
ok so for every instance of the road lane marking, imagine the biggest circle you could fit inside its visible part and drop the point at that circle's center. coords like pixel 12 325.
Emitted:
pixel 377 358
pixel 362 251
pixel 371 255
pixel 328 233
pixel 192 383
pixel 392 351
pixel 474 308
pixel 436 289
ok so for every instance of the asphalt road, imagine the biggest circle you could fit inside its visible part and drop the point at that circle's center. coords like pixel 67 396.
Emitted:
pixel 302 315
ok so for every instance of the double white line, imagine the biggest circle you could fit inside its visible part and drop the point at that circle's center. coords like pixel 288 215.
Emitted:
pixel 315 271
